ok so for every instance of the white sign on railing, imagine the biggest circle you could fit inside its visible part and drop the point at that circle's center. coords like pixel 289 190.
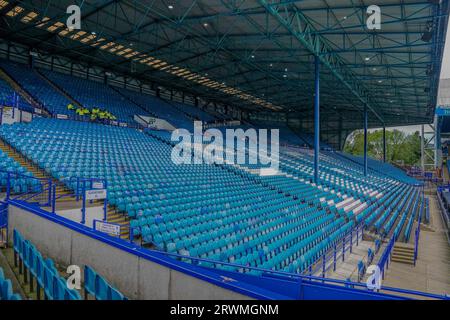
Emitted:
pixel 27 116
pixel 108 228
pixel 98 185
pixel 97 194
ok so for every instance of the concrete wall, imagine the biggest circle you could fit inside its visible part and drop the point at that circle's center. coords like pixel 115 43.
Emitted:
pixel 134 276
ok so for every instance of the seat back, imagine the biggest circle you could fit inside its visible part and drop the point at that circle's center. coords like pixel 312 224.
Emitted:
pixel 89 280
pixel 102 291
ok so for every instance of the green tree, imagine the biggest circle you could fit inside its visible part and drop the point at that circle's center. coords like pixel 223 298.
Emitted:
pixel 400 147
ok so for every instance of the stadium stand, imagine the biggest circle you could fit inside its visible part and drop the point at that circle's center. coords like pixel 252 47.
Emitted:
pixel 96 141
pixel 7 96
pixel 159 108
pixel 32 264
pixel 277 223
pixel 18 183
pixel 33 83
pixel 96 286
pixel 36 269
pixel 92 94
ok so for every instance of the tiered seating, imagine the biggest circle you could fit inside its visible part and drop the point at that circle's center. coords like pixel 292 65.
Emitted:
pixel 96 286
pixel 33 83
pixel 380 167
pixel 159 109
pixel 286 134
pixel 92 94
pixel 194 112
pixel 202 210
pixel 7 97
pixel 43 270
pixel 19 182
pixel 6 290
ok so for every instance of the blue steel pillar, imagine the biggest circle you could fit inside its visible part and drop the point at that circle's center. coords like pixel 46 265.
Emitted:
pixel 384 143
pixel 317 120
pixel 365 140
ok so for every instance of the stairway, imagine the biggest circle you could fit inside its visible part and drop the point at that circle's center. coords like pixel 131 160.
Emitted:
pixel 68 202
pixel 21 91
pixel 445 173
pixel 403 253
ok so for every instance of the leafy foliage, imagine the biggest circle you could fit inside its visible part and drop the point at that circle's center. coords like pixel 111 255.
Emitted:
pixel 400 147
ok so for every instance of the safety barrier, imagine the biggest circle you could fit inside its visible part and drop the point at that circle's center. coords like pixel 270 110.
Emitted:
pixel 42 191
pixel 104 121
pixel 3 223
pixel 82 186
pixel 416 243
pixel 331 257
pixel 383 263
pixel 250 281
pixel 28 188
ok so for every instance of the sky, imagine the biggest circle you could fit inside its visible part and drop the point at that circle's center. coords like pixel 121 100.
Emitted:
pixel 445 74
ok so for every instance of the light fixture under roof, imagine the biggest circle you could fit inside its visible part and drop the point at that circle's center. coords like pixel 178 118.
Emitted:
pixel 170 6
pixel 367 58
pixel 205 24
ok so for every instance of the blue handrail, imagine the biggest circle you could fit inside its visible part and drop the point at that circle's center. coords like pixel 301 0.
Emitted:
pixel 292 276
pixel 386 256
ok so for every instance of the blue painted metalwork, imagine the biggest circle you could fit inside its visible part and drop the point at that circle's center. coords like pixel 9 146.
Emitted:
pixel 3 222
pixel 316 119
pixel 269 284
pixel 384 143
pixel 366 116
pixel 282 284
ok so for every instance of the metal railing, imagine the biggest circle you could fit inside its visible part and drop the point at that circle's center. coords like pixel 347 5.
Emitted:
pixel 3 223
pixel 83 185
pixel 43 191
pixel 384 261
pixel 336 253
pixel 282 275
pixel 32 189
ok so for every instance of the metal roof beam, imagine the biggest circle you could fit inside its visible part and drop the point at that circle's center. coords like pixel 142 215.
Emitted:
pixel 303 31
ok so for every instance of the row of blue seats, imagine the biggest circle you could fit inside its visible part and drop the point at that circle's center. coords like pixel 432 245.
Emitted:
pixel 6 290
pixel 33 266
pixel 10 98
pixel 156 192
pixel 19 182
pixel 96 286
pixel 31 263
pixel 35 85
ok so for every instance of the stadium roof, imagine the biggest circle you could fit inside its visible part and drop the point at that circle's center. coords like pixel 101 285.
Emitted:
pixel 257 54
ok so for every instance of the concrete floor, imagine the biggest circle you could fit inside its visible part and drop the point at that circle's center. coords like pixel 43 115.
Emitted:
pixel 432 271
pixel 349 268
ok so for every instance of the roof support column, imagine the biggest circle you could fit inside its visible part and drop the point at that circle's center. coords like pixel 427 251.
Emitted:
pixel 365 140
pixel 317 120
pixel 384 143
pixel 422 149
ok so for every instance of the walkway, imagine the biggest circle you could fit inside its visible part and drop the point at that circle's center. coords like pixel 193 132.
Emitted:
pixel 432 271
